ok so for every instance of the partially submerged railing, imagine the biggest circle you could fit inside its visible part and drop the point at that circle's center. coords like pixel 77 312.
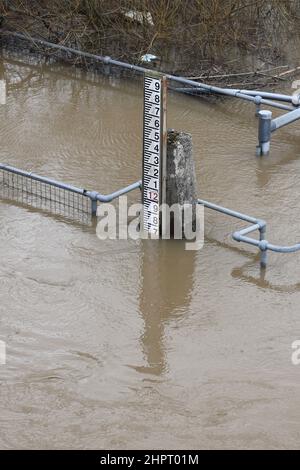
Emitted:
pixel 31 188
pixel 38 187
pixel 258 98
pixel 267 126
pixel 256 225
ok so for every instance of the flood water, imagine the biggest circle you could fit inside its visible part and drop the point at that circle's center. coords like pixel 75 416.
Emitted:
pixel 140 344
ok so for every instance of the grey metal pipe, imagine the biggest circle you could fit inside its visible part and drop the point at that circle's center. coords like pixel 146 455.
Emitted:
pixel 94 196
pixel 224 210
pixel 262 94
pixel 257 224
pixel 250 229
pixel 284 107
pixel 263 251
pixel 188 90
pixel 109 61
pixel 264 132
pixel 240 238
pixel 284 249
pixel 268 95
pixel 43 179
pixel 265 245
pixel 120 192
pixel 285 119
pixel 258 100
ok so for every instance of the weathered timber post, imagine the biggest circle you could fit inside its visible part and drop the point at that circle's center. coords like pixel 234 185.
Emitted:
pixel 180 181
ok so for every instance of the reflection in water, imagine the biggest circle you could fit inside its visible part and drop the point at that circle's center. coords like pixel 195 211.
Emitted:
pixel 165 292
pixel 272 164
pixel 258 280
pixel 261 281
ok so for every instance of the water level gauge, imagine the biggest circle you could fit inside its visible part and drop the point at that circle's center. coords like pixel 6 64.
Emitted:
pixel 154 152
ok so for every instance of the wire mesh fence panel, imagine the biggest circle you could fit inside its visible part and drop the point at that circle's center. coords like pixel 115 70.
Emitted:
pixel 43 195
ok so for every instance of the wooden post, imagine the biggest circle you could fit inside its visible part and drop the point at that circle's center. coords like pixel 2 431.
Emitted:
pixel 181 181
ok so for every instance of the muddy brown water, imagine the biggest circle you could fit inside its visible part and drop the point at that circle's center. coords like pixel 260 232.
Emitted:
pixel 134 344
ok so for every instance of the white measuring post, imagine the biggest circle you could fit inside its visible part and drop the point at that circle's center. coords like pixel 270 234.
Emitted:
pixel 154 152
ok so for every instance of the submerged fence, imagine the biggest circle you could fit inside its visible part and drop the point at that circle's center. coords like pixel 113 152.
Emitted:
pixel 41 192
pixel 289 103
pixel 46 193
pixel 256 225
pixel 258 98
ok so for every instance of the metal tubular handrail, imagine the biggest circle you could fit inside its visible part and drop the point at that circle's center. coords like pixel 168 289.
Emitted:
pixel 285 119
pixel 264 245
pixel 284 107
pixel 258 100
pixel 266 94
pixel 120 192
pixel 248 95
pixel 257 224
pixel 93 195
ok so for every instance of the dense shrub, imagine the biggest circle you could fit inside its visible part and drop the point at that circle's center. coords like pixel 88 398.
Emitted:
pixel 194 29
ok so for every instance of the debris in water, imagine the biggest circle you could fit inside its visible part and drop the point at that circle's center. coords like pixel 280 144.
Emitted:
pixel 139 16
pixel 149 58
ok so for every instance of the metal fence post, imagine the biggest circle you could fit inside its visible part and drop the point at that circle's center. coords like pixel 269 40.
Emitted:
pixel 263 244
pixel 264 132
pixel 258 105
pixel 94 206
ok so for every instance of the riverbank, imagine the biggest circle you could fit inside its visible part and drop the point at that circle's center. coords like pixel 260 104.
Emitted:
pixel 232 43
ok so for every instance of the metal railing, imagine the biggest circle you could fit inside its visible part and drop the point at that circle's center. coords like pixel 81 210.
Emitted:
pixel 31 189
pixel 267 126
pixel 257 97
pixel 46 188
pixel 256 224
pixel 280 101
